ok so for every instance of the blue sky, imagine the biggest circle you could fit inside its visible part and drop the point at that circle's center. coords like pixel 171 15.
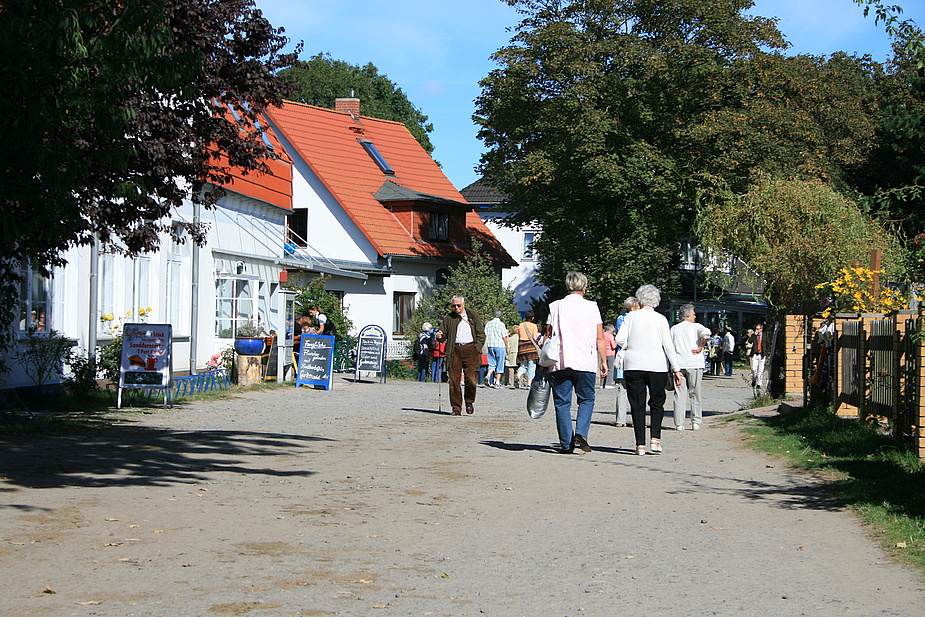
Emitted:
pixel 436 51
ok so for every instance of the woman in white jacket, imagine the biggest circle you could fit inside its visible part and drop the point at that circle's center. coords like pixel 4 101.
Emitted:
pixel 649 355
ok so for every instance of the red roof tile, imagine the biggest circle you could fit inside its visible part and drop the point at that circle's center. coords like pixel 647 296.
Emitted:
pixel 327 141
pixel 274 188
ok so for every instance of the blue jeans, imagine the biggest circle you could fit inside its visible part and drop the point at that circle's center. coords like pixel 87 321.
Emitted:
pixel 436 369
pixel 562 384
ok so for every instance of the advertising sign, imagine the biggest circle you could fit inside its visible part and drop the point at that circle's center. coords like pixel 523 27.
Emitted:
pixel 145 355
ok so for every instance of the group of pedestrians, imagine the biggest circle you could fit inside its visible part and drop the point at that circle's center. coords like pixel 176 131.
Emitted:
pixel 641 357
pixel 429 354
pixel 511 351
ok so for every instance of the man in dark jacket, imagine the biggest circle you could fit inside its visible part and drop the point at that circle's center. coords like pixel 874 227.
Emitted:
pixel 756 355
pixel 464 334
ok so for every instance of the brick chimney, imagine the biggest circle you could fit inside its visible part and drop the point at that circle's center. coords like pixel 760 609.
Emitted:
pixel 348 105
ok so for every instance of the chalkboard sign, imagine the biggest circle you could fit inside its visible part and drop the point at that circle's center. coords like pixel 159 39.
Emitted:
pixel 316 361
pixel 371 351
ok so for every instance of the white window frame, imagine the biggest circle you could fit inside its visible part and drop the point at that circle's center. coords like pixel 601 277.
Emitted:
pixel 529 253
pixel 236 304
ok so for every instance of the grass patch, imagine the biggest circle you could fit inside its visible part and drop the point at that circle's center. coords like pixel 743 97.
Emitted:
pixel 869 471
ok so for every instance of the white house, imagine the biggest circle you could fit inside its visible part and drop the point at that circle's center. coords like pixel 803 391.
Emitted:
pixel 351 197
pixel 203 292
pixel 518 241
pixel 368 199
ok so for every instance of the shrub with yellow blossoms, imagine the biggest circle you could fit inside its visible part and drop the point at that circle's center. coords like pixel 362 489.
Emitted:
pixel 853 292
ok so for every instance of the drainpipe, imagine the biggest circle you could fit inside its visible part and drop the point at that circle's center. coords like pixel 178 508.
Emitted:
pixel 94 297
pixel 194 302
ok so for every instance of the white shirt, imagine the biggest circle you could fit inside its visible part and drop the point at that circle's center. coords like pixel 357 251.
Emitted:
pixel 576 320
pixel 648 344
pixel 729 342
pixel 464 330
pixel 687 336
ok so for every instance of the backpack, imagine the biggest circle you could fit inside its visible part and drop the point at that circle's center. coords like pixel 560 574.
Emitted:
pixel 421 348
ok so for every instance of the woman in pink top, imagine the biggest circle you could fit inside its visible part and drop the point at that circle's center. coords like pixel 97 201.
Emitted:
pixel 582 355
pixel 610 344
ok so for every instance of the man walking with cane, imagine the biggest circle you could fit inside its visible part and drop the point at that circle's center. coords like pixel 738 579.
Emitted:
pixel 464 334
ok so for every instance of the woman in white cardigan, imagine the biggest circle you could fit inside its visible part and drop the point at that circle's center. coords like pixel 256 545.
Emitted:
pixel 649 356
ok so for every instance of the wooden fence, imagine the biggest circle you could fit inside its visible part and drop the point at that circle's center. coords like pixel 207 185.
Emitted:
pixel 870 366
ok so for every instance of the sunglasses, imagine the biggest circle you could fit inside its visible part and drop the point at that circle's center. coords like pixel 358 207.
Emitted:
pixel 456 305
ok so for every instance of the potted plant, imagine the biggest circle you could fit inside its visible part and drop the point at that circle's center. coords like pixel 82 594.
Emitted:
pixel 248 340
pixel 42 357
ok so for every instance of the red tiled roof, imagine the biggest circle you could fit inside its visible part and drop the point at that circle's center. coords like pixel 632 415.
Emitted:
pixel 274 188
pixel 327 141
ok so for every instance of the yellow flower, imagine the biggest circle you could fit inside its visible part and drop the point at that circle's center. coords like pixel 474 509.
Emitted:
pixel 107 317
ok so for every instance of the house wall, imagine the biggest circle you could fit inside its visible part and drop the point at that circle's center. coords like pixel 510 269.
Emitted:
pixel 241 232
pixel 331 231
pixel 372 301
pixel 522 277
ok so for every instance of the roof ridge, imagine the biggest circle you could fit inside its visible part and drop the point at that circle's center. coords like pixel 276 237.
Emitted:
pixel 343 113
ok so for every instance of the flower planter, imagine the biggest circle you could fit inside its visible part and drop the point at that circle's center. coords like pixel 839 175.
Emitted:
pixel 249 346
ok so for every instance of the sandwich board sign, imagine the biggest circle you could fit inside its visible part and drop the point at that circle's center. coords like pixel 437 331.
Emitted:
pixel 146 358
pixel 316 361
pixel 371 352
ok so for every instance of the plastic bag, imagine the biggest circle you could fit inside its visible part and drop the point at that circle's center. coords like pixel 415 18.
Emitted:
pixel 538 398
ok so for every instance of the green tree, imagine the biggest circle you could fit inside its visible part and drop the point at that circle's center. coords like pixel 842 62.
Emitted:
pixel 893 182
pixel 611 123
pixel 315 294
pixel 810 233
pixel 589 124
pixel 477 280
pixel 321 80
pixel 115 112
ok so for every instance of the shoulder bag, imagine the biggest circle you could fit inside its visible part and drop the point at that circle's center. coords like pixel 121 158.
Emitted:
pixel 550 353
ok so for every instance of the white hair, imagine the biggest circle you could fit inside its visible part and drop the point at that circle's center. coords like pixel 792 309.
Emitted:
pixel 649 295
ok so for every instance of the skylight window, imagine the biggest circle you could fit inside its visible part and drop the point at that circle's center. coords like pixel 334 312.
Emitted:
pixel 376 156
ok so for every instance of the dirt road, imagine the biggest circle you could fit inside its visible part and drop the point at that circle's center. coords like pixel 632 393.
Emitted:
pixel 372 500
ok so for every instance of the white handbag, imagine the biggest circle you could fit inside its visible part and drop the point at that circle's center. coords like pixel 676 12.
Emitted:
pixel 550 353
pixel 618 359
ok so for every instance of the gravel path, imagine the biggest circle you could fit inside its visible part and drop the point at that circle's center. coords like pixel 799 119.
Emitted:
pixel 369 500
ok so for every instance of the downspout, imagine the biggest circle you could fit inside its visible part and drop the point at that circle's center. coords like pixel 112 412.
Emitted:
pixel 194 301
pixel 94 297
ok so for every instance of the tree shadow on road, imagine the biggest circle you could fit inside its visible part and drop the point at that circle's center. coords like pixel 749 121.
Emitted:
pixel 144 456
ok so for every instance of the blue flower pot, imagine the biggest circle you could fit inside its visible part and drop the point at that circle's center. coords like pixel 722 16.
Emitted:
pixel 249 346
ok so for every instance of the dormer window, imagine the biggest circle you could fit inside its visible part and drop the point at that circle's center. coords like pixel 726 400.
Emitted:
pixel 376 156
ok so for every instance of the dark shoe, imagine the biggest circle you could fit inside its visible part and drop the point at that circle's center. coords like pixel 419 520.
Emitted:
pixel 469 408
pixel 582 443
pixel 565 450
pixel 456 412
